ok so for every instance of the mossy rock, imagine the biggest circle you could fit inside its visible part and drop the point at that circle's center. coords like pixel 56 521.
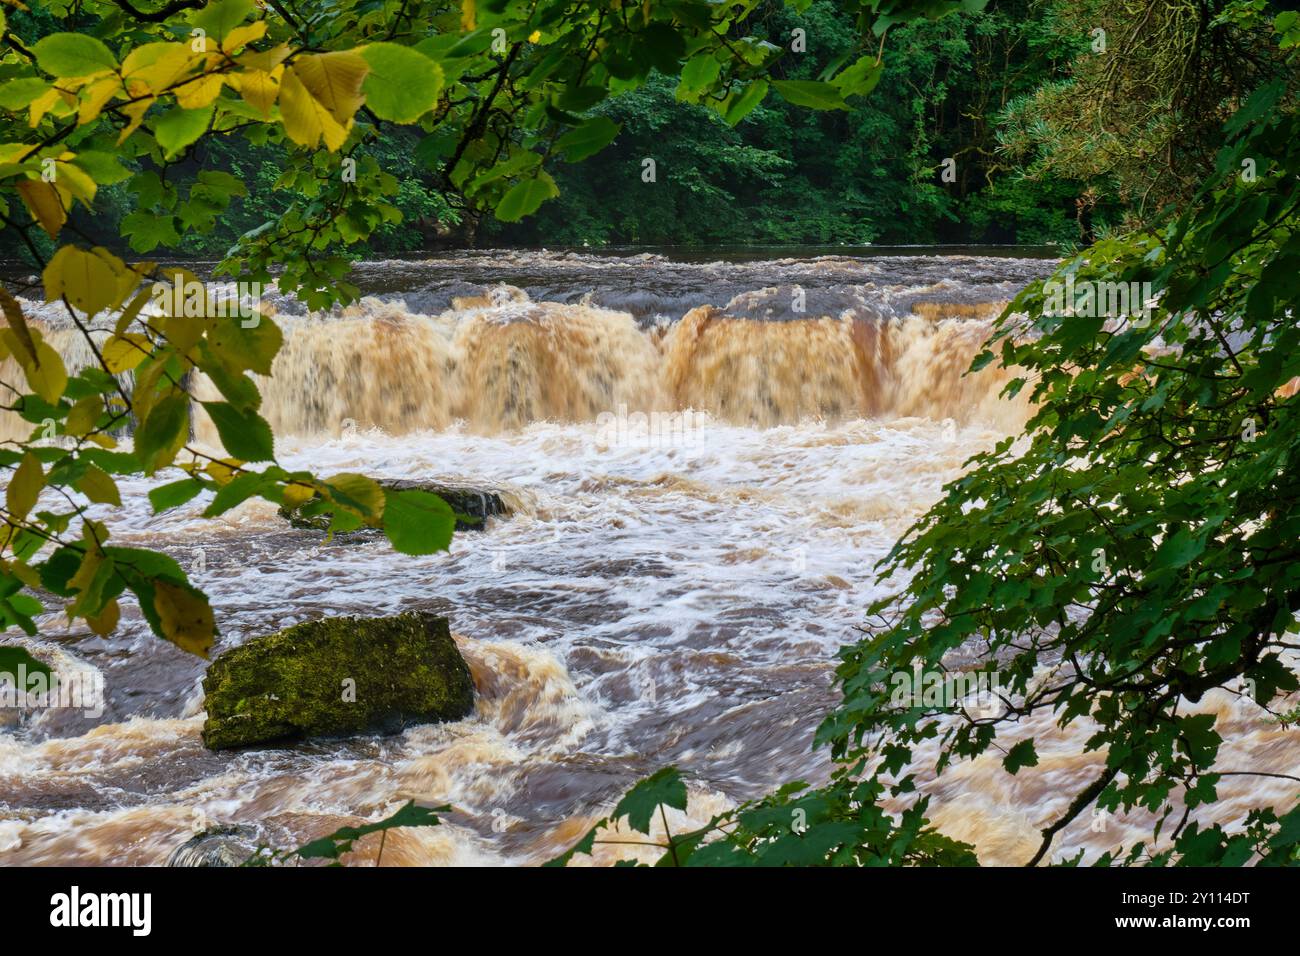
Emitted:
pixel 473 506
pixel 336 676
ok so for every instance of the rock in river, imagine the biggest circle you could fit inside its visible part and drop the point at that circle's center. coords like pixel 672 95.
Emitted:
pixel 473 506
pixel 224 845
pixel 340 675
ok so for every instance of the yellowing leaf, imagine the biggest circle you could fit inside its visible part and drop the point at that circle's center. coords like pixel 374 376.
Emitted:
pixel 24 348
pixel 15 152
pixel 47 376
pixel 83 580
pixel 105 622
pixel 156 66
pixel 24 487
pixel 83 416
pixel 23 572
pixel 147 393
pixel 266 60
pixel 468 15
pixel 44 203
pixel 306 122
pixel 95 96
pixel 96 485
pixel 72 181
pixel 42 105
pixel 243 35
pixel 295 494
pixel 223 471
pixel 334 80
pixel 135 113
pixel 259 88
pixel 186 617
pixel 124 352
pixel 357 493
pixel 43 366
pixel 198 93
pixel 183 331
pixel 133 309
pixel 91 281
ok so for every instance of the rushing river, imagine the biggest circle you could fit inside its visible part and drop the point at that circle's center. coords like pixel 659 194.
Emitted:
pixel 663 594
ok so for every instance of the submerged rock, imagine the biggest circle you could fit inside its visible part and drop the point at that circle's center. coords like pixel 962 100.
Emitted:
pixel 473 506
pixel 340 675
pixel 225 845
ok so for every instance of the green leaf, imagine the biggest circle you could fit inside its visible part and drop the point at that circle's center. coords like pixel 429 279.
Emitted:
pixel 641 802
pixel 245 433
pixel 1021 755
pixel 102 166
pixel 699 73
pixel 163 432
pixel 219 17
pixel 147 231
pixel 589 138
pixel 519 163
pixel 402 84
pixel 243 347
pixel 417 522
pixel 11 658
pixel 73 54
pixel 99 487
pixel 174 493
pixel 235 492
pixel 236 387
pixel 178 128
pixel 812 93
pixel 149 564
pixel 1178 550
pixel 525 197
pixel 860 78
pixel 59 569
pixel 743 104
pixel 581 98
pixel 18 94
pixel 340 841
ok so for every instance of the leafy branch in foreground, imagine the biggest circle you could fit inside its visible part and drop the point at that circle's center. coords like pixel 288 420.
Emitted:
pixel 795 826
pixel 336 844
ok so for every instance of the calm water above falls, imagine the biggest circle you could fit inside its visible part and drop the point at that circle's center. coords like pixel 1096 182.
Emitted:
pixel 672 600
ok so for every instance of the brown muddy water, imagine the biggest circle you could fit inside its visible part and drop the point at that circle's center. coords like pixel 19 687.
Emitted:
pixel 670 595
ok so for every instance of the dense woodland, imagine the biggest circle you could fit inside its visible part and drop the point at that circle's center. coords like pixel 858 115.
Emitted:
pixel 1013 94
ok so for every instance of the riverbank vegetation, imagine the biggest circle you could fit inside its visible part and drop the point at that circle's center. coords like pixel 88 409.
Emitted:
pixel 1131 556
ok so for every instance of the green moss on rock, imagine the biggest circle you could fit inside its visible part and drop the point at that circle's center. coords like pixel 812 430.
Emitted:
pixel 341 675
